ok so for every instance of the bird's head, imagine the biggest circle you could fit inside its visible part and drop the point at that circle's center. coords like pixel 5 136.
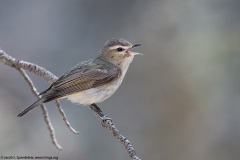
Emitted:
pixel 118 51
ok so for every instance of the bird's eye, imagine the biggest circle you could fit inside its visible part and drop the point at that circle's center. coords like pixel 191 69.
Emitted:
pixel 120 49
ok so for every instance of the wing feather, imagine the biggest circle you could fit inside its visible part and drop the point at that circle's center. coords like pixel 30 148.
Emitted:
pixel 80 78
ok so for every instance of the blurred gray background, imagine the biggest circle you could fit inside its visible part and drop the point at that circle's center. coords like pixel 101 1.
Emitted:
pixel 180 101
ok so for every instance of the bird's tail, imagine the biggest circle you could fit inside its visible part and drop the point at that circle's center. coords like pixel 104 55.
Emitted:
pixel 34 105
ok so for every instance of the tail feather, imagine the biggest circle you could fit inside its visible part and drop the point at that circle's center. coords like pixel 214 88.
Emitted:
pixel 34 105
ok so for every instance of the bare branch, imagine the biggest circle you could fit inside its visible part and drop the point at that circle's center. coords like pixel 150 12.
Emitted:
pixel 107 123
pixel 50 127
pixel 40 71
pixel 44 109
pixel 64 118
pixel 48 76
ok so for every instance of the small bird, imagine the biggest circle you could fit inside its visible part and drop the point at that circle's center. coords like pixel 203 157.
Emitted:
pixel 92 81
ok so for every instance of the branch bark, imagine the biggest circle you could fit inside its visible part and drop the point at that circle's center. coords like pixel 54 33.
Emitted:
pixel 49 77
pixel 44 109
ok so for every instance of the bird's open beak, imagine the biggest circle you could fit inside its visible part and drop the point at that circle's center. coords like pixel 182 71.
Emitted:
pixel 136 53
pixel 136 45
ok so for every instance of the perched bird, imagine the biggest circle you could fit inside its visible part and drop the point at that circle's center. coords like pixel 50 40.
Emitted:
pixel 92 81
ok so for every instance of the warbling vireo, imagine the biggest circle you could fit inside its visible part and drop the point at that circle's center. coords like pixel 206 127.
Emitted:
pixel 92 81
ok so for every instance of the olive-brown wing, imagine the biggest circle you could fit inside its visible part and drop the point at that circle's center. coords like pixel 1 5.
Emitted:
pixel 81 80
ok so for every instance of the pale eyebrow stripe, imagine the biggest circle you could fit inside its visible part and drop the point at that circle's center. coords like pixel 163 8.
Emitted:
pixel 117 46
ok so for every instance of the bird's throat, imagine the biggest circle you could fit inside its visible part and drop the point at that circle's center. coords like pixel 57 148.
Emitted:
pixel 125 64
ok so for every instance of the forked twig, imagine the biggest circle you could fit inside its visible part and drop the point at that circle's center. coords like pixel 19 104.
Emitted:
pixel 44 109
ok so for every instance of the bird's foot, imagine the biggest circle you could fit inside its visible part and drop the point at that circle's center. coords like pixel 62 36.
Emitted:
pixel 105 119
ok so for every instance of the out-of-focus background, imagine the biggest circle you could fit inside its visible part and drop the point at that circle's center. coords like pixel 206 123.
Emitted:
pixel 181 100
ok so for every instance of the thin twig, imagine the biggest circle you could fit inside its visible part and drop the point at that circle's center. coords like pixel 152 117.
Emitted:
pixel 44 109
pixel 50 128
pixel 64 117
